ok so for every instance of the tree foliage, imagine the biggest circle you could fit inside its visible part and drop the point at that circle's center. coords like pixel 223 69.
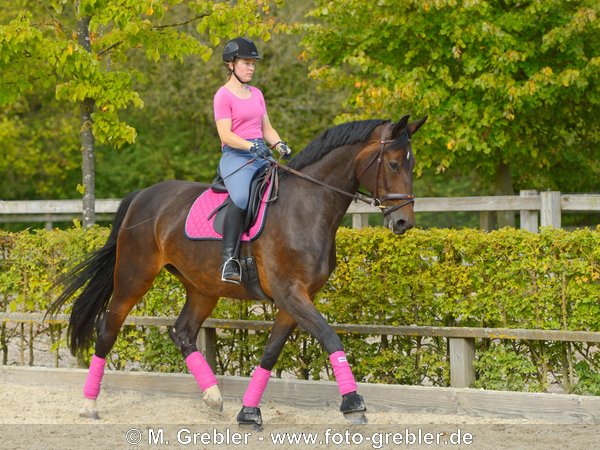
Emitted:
pixel 40 50
pixel 512 82
pixel 175 136
pixel 40 53
pixel 382 68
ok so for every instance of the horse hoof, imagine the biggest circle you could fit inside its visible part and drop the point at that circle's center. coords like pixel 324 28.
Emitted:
pixel 212 398
pixel 352 402
pixel 353 407
pixel 250 416
pixel 356 417
pixel 89 413
pixel 89 410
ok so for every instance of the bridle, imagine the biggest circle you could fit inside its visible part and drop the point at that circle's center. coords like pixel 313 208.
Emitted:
pixel 374 200
pixel 378 201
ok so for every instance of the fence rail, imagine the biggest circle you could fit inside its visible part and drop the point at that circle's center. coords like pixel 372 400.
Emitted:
pixel 461 340
pixel 535 208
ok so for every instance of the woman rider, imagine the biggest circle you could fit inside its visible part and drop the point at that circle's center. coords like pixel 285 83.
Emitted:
pixel 245 131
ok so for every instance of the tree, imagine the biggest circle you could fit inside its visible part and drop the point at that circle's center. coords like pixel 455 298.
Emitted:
pixel 511 87
pixel 176 134
pixel 80 50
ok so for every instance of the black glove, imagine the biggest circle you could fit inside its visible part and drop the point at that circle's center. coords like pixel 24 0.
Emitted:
pixel 261 150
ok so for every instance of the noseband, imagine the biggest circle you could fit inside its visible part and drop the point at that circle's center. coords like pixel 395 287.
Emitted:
pixel 378 201
pixel 375 200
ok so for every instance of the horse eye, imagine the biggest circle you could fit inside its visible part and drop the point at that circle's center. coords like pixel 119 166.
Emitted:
pixel 394 166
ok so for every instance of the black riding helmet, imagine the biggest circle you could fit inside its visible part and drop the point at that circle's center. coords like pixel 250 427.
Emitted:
pixel 240 48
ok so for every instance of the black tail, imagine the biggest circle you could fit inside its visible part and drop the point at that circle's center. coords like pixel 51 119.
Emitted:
pixel 98 272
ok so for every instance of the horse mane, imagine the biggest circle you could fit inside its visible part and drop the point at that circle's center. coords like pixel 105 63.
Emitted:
pixel 345 134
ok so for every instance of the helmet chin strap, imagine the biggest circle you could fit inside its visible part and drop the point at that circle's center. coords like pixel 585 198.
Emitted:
pixel 236 75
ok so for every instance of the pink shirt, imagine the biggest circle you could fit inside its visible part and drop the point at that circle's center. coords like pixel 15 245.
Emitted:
pixel 245 114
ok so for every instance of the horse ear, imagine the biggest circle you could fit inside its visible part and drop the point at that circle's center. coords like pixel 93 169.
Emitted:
pixel 413 127
pixel 400 126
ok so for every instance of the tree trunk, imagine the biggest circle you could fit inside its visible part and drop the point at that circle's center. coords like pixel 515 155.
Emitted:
pixel 87 137
pixel 504 186
pixel 4 343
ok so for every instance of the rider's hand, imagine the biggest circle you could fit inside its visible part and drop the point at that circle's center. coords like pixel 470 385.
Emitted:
pixel 261 150
pixel 284 151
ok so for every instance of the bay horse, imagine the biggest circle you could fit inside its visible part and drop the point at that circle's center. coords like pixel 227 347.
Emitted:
pixel 295 256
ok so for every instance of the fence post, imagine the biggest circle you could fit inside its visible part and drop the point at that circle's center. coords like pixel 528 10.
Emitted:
pixel 529 219
pixel 550 210
pixel 462 356
pixel 207 345
pixel 487 220
pixel 360 221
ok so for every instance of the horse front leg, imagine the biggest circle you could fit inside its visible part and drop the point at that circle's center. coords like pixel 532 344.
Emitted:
pixel 250 412
pixel 301 308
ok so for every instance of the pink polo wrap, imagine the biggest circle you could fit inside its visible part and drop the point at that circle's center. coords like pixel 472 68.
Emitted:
pixel 91 388
pixel 342 372
pixel 202 372
pixel 258 384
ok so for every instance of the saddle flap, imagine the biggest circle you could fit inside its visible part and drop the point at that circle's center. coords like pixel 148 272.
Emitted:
pixel 219 214
pixel 258 186
pixel 218 185
pixel 205 218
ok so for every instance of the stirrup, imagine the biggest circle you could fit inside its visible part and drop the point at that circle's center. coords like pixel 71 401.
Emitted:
pixel 232 278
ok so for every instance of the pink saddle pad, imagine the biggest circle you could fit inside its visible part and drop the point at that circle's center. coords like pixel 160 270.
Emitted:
pixel 199 227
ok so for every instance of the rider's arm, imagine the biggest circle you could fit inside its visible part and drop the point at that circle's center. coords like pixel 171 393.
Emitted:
pixel 229 138
pixel 271 136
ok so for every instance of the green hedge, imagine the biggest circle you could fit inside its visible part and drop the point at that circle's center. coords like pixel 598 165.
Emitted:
pixel 507 278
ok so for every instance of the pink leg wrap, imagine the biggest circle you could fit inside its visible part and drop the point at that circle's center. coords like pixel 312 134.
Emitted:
pixel 202 372
pixel 342 372
pixel 91 388
pixel 257 386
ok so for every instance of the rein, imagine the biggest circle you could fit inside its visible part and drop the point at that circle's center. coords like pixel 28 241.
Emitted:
pixel 375 200
pixel 321 183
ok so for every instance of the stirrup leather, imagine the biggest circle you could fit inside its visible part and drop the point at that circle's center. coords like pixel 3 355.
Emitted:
pixel 239 271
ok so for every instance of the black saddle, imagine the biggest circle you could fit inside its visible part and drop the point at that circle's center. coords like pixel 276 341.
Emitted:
pixel 258 185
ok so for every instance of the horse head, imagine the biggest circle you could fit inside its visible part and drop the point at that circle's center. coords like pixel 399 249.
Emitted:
pixel 385 169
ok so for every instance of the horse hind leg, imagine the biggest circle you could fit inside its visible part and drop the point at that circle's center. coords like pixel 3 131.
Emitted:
pixel 185 333
pixel 132 281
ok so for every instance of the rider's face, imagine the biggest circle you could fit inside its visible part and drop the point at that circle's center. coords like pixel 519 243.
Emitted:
pixel 244 68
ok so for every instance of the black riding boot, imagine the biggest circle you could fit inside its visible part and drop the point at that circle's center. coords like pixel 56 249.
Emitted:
pixel 232 231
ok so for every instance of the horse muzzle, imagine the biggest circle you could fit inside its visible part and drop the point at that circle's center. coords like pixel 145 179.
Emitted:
pixel 400 220
pixel 399 217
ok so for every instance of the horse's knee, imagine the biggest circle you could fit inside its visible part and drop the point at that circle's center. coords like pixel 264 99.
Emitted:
pixel 304 312
pixel 182 340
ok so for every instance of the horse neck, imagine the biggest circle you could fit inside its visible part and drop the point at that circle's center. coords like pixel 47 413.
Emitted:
pixel 335 169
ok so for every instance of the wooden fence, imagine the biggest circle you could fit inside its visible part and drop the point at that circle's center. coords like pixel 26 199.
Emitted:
pixel 528 407
pixel 535 208
pixel 461 340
